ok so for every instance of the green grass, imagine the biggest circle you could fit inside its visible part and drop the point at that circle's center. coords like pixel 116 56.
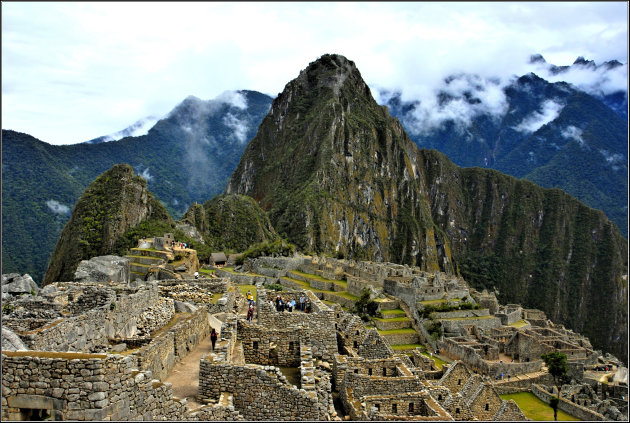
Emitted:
pixel 427 302
pixel 244 288
pixel 519 324
pixel 395 331
pixel 438 362
pixel 395 311
pixel 399 347
pixel 343 284
pixel 395 319
pixel 535 409
pixel 216 296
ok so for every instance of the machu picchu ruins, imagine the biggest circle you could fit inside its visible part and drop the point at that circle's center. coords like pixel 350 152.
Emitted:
pixel 129 339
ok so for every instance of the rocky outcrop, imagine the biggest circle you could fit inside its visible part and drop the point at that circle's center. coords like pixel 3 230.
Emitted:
pixel 11 342
pixel 14 284
pixel 338 174
pixel 117 201
pixel 103 269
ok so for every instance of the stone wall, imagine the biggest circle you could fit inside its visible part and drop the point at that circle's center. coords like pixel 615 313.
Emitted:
pixel 472 358
pixel 320 322
pixel 158 356
pixel 79 386
pixel 567 406
pixel 259 392
pixel 161 354
pixel 258 340
pixel 457 325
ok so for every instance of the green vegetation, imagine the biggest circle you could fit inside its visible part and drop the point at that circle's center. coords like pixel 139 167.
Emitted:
pixel 274 287
pixel 244 288
pixel 365 306
pixel 394 311
pixel 442 307
pixel 519 324
pixel 535 409
pixel 556 362
pixel 267 248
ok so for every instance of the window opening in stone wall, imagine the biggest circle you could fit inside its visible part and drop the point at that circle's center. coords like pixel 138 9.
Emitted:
pixel 369 372
pixel 411 407
pixel 255 345
pixel 35 414
pixel 378 407
pixel 384 371
pixel 440 397
pixel 457 411
pixel 459 381
pixel 290 345
pixel 355 344
pixel 356 371
pixel 487 406
pixel 394 408
pixel 357 334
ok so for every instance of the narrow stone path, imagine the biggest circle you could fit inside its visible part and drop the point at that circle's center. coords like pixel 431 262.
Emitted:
pixel 184 376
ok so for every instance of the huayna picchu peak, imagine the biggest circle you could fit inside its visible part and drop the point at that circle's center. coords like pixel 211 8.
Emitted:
pixel 338 175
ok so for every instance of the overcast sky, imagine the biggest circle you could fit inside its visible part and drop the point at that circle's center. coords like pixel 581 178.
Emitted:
pixel 75 71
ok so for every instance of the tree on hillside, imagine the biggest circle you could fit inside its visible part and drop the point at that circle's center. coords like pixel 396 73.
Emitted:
pixel 557 364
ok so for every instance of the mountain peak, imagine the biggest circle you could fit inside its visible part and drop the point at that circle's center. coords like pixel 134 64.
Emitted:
pixel 537 58
pixel 330 71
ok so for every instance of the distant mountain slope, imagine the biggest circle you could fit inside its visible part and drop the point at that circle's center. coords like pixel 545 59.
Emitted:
pixel 339 175
pixel 115 202
pixel 188 156
pixel 551 133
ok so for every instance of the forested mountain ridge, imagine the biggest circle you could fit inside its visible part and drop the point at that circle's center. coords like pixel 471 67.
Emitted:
pixel 186 157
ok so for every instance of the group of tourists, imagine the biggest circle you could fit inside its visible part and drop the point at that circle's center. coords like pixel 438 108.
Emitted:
pixel 180 244
pixel 282 305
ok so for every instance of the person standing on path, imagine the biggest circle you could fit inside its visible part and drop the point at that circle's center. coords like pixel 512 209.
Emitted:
pixel 213 337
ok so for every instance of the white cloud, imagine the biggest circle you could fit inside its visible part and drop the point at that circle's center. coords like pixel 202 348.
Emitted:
pixel 74 71
pixel 532 123
pixel 233 98
pixel 57 207
pixel 144 172
pixel 574 133
pixel 458 99
pixel 239 127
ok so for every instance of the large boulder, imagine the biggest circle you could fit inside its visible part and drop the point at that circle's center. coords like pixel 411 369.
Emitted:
pixel 103 269
pixel 11 342
pixel 15 284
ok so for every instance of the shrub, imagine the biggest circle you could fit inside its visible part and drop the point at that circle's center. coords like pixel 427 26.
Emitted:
pixel 274 286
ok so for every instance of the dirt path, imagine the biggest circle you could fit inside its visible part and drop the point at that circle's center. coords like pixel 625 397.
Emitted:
pixel 184 376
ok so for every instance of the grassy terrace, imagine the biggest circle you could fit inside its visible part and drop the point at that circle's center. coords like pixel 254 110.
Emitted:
pixel 395 311
pixel 244 288
pixel 231 270
pixel 395 319
pixel 206 271
pixel 519 324
pixel 431 302
pixel 535 409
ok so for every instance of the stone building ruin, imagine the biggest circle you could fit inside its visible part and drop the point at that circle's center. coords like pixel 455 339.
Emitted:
pixel 103 349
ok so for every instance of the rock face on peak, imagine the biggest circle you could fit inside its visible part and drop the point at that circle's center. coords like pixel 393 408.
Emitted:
pixel 116 201
pixel 337 174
